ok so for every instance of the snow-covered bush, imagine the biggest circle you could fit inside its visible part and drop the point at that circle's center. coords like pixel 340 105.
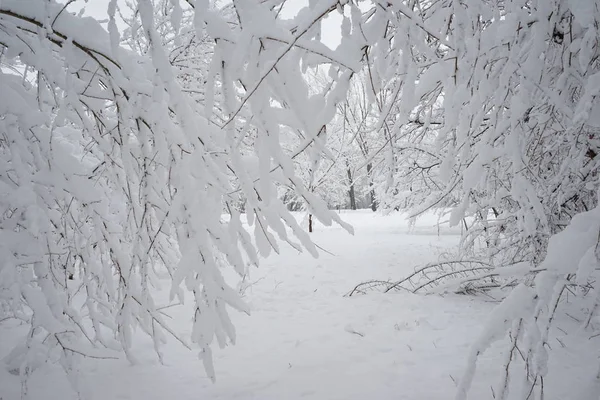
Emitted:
pixel 572 260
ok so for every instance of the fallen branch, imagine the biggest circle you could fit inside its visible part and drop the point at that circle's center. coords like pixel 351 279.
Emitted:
pixel 458 276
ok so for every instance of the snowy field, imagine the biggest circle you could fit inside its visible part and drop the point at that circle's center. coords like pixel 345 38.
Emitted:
pixel 304 340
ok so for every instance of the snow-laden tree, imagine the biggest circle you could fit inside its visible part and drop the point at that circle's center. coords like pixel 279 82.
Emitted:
pixel 359 121
pixel 335 177
pixel 491 108
pixel 325 177
pixel 112 177
pixel 494 114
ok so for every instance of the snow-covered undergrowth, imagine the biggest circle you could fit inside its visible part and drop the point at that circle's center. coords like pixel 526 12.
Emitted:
pixel 304 339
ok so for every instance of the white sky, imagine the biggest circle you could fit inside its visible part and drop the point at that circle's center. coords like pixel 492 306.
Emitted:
pixel 331 25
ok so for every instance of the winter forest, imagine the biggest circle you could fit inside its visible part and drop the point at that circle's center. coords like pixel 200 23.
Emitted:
pixel 286 199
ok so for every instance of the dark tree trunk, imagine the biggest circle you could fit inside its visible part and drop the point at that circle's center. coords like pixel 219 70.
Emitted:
pixel 373 201
pixel 351 192
pixel 310 227
pixel 372 193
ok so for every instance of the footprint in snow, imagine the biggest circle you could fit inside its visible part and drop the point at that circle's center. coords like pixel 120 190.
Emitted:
pixel 350 329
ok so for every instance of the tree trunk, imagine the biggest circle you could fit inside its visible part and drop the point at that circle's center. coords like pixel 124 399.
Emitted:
pixel 351 192
pixel 372 193
pixel 310 227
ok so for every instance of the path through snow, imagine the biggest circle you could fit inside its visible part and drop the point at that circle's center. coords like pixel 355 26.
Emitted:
pixel 305 340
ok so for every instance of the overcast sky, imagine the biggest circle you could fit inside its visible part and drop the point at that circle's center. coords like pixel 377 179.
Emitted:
pixel 331 25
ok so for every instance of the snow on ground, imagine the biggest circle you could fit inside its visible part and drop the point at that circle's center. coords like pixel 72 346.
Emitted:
pixel 305 340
